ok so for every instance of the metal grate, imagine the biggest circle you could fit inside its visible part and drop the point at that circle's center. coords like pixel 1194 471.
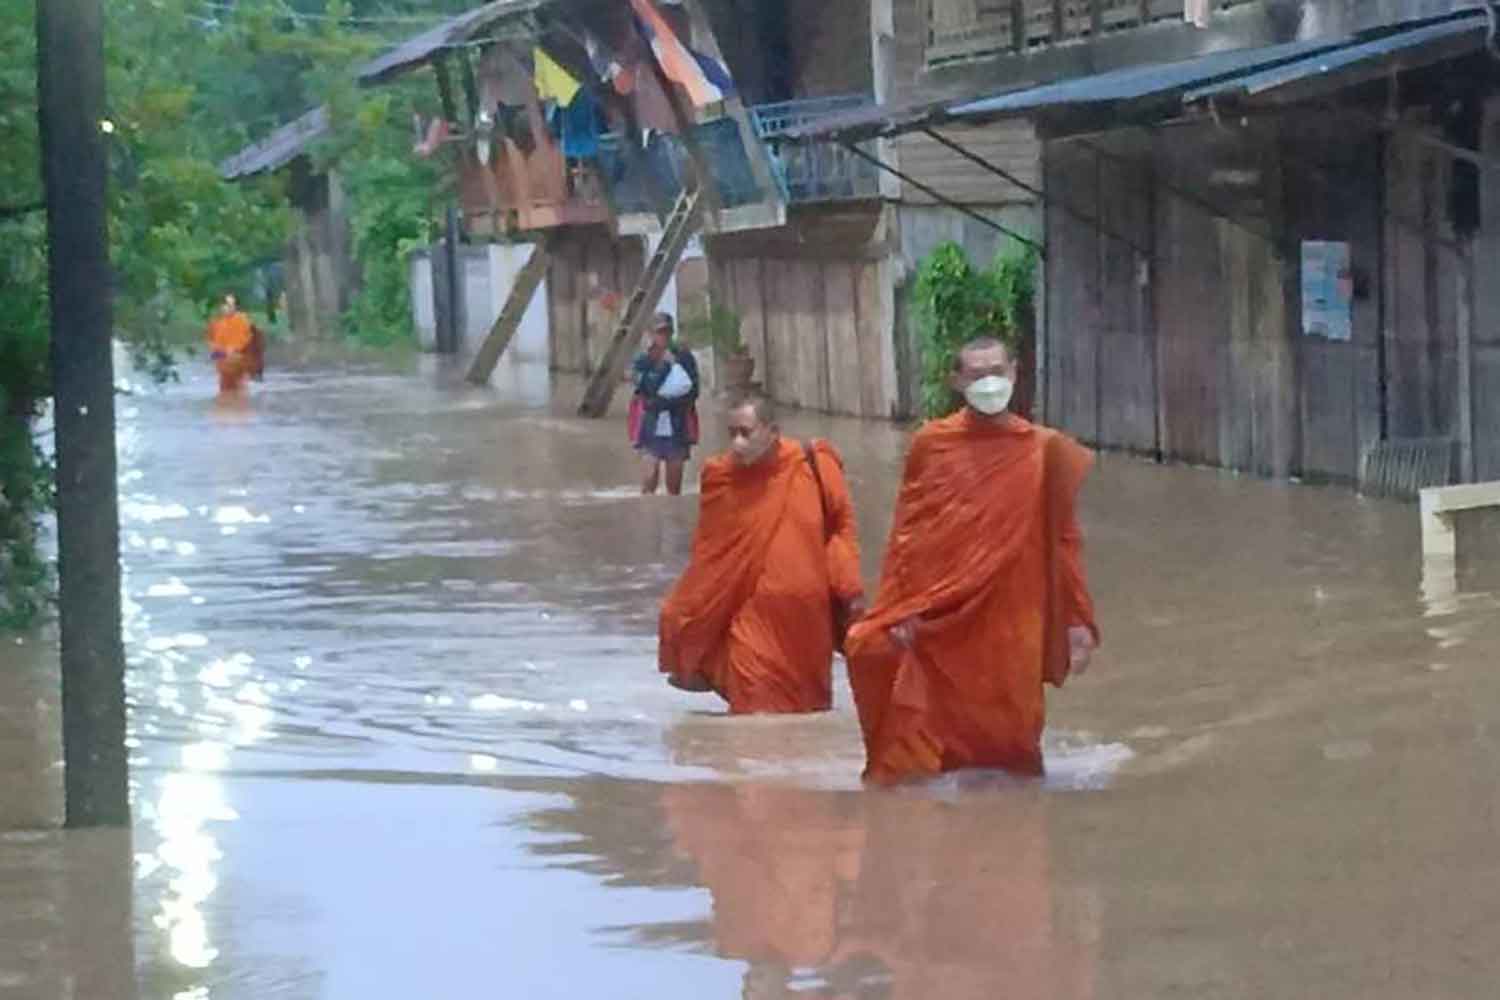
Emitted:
pixel 1402 467
pixel 816 171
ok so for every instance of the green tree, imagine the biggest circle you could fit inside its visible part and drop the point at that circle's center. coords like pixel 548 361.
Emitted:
pixel 189 83
pixel 955 302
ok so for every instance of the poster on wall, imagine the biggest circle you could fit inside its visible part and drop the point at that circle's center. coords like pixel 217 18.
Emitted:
pixel 1327 290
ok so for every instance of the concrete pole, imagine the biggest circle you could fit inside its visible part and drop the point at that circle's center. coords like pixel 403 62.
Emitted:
pixel 70 82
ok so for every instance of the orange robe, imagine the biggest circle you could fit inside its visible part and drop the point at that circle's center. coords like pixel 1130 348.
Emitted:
pixel 986 553
pixel 776 860
pixel 751 614
pixel 958 902
pixel 949 902
pixel 230 338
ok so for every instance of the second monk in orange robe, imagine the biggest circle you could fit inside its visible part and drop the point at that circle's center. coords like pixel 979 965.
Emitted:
pixel 751 617
pixel 982 596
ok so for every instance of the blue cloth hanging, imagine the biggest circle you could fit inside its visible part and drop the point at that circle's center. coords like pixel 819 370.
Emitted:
pixel 582 124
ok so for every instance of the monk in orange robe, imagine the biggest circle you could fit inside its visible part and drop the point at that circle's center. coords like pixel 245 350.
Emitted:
pixel 942 923
pixel 231 337
pixel 933 899
pixel 751 618
pixel 982 597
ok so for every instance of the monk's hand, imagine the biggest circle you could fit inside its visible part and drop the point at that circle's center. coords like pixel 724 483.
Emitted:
pixel 904 634
pixel 1080 649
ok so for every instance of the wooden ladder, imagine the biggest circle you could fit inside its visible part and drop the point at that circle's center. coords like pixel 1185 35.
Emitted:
pixel 684 221
pixel 509 320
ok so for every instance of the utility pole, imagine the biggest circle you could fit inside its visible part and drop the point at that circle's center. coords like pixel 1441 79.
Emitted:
pixel 70 87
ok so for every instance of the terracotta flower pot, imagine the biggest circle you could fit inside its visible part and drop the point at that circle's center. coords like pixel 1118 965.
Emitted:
pixel 738 372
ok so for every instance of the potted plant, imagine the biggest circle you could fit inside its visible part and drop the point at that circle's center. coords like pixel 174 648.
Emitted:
pixel 719 328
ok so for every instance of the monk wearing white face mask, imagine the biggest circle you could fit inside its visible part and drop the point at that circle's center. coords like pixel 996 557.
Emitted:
pixel 982 597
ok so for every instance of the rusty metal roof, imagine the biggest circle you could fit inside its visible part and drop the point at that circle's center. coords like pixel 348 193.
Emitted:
pixel 277 149
pixel 1415 47
pixel 1157 89
pixel 421 49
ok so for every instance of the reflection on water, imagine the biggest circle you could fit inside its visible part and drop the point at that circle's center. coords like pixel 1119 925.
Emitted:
pixel 396 731
pixel 884 895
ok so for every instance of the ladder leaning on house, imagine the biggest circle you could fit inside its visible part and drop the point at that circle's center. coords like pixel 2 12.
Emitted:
pixel 509 320
pixel 681 225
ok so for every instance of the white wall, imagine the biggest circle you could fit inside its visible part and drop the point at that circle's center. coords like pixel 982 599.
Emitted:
pixel 505 263
pixel 419 270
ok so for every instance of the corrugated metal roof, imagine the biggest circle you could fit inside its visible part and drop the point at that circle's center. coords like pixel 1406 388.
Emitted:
pixel 1137 82
pixel 1432 41
pixel 1172 85
pixel 277 149
pixel 419 50
pixel 866 122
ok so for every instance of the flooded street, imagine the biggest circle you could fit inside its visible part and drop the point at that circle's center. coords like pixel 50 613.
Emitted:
pixel 398 732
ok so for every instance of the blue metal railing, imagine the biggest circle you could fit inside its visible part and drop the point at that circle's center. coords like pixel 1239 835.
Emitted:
pixel 804 172
pixel 779 118
pixel 643 184
pixel 650 181
pixel 814 171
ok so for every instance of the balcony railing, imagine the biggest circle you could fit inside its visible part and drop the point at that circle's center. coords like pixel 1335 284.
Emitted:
pixel 975 29
pixel 809 172
pixel 646 181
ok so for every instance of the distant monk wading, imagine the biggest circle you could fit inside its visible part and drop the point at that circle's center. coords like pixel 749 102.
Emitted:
pixel 774 555
pixel 235 346
pixel 982 597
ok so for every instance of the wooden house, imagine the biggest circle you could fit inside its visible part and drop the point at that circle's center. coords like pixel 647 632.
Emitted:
pixel 318 263
pixel 1269 226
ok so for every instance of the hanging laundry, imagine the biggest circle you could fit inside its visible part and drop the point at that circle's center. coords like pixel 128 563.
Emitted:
pixel 675 59
pixel 582 124
pixel 652 106
pixel 437 134
pixel 717 73
pixel 606 67
pixel 625 80
pixel 552 81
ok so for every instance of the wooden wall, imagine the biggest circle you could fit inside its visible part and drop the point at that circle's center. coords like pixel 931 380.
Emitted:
pixel 1169 323
pixel 787 49
pixel 1486 347
pixel 1191 342
pixel 590 272
pixel 830 47
pixel 816 302
pixel 1100 346
pixel 318 260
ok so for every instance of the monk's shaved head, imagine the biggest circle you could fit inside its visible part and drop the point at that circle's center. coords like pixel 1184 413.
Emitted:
pixel 752 428
pixel 763 408
pixel 979 345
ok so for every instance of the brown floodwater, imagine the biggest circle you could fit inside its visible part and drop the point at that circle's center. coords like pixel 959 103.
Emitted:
pixel 397 732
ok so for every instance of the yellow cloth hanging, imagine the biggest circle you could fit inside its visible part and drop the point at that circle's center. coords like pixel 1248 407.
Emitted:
pixel 552 81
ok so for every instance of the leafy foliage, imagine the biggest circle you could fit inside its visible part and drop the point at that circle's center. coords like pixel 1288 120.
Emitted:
pixel 955 302
pixel 719 328
pixel 390 193
pixel 190 82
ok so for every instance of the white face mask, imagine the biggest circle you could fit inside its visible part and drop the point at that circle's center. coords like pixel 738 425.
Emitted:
pixel 989 395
